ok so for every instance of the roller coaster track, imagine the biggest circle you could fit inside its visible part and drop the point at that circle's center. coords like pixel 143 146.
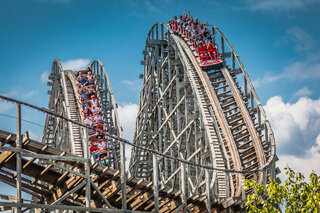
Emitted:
pixel 45 182
pixel 198 134
pixel 64 100
pixel 226 119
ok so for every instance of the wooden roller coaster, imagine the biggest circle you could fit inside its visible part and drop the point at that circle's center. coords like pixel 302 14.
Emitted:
pixel 198 134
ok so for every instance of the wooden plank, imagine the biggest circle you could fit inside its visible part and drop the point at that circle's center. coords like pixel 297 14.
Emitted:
pixel 8 139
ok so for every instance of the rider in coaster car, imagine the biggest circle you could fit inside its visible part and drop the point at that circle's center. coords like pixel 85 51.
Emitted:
pixel 95 110
pixel 188 28
pixel 90 76
pixel 81 80
pixel 87 112
pixel 175 19
pixel 179 21
pixel 88 121
pixel 90 82
pixel 97 119
pixel 90 92
pixel 94 101
pixel 102 145
pixel 93 150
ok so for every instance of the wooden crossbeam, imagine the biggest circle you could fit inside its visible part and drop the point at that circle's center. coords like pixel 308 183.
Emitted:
pixel 12 182
pixel 68 193
pixel 151 205
pixel 101 195
pixel 9 137
pixel 107 182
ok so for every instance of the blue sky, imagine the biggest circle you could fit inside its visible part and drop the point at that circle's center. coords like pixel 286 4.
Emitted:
pixel 277 40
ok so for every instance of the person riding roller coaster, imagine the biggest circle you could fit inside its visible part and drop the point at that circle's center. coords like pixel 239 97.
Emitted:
pixel 100 146
pixel 199 38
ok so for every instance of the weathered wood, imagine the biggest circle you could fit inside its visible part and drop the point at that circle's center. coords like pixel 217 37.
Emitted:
pixel 140 193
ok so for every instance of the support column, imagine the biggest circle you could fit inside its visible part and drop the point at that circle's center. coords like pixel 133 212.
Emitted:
pixel 243 194
pixel 208 190
pixel 87 171
pixel 155 182
pixel 18 154
pixel 123 177
pixel 183 187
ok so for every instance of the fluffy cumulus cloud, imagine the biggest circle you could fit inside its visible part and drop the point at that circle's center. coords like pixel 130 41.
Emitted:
pixel 75 64
pixel 305 164
pixel 127 115
pixel 296 128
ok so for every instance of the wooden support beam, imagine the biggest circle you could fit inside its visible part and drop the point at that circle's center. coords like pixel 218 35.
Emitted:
pixel 69 193
pixel 18 158
pixel 102 196
pixel 9 137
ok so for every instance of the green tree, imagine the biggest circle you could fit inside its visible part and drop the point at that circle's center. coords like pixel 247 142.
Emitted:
pixel 296 195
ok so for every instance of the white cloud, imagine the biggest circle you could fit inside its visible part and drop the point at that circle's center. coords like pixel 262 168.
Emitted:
pixel 296 125
pixel 279 5
pixel 15 93
pixel 302 70
pixel 128 82
pixel 29 94
pixel 11 93
pixel 44 77
pixel 5 106
pixel 307 67
pixel 266 79
pixel 304 91
pixel 303 43
pixel 128 155
pixel 305 164
pixel 296 129
pixel 75 64
pixel 127 115
pixel 302 40
pixel 134 85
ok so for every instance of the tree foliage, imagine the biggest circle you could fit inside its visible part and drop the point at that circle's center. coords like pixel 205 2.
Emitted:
pixel 295 195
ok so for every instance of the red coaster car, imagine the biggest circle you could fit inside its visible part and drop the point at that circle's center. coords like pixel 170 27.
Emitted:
pixel 209 57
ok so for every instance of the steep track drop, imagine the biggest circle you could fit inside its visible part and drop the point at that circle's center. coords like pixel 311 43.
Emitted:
pixel 211 117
